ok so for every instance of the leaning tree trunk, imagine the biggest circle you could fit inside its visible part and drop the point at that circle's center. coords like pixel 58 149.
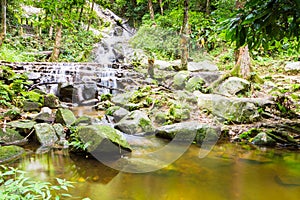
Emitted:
pixel 161 7
pixel 3 21
pixel 184 40
pixel 57 44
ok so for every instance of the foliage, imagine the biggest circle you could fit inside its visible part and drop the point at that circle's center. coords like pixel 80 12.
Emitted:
pixel 264 23
pixel 15 185
pixel 74 141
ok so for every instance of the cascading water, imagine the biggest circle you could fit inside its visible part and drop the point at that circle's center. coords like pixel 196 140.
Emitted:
pixel 80 83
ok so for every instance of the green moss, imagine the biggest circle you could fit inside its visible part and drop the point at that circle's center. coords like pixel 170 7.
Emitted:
pixel 9 153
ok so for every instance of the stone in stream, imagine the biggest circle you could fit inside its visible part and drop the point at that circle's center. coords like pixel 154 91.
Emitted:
pixel 263 139
pixel 99 138
pixel 22 126
pixel 64 116
pixel 46 134
pixel 135 122
pixel 9 153
pixel 232 86
pixel 184 130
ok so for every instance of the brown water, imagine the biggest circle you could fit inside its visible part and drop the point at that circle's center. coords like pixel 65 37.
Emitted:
pixel 228 172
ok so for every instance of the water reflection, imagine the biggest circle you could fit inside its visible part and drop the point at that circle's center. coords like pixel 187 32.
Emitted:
pixel 228 172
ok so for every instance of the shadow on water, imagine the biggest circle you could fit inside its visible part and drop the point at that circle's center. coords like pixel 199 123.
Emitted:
pixel 228 172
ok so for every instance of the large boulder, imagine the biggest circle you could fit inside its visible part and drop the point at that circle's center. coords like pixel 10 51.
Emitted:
pixel 23 126
pixel 95 135
pixel 122 99
pixel 185 130
pixel 240 110
pixel 51 101
pixel 64 116
pixel 9 153
pixel 135 122
pixel 202 66
pixel 119 114
pixel 46 134
pixel 232 86
pixel 29 106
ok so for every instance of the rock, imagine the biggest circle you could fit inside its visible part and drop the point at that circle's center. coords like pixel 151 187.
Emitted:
pixel 240 110
pixel 46 134
pixel 9 153
pixel 180 79
pixel 184 130
pixel 44 117
pixel 60 132
pixel 122 98
pixel 96 134
pixel 22 124
pixel 135 122
pixel 51 101
pixel 29 106
pixel 64 116
pixel 232 86
pixel 208 77
pixel 46 110
pixel 194 83
pixel 68 94
pixel 13 114
pixel 292 67
pixel 202 66
pixel 110 111
pixel 161 118
pixel 9 135
pixel 89 91
pixel 89 102
pixel 119 114
pixel 263 139
pixel 82 120
pixel 163 65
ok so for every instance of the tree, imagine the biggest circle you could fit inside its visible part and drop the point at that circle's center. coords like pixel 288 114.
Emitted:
pixel 184 38
pixel 3 21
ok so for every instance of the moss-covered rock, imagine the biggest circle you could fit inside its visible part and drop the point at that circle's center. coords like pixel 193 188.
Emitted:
pixel 46 134
pixel 9 135
pixel 64 116
pixel 29 106
pixel 189 132
pixel 263 139
pixel 180 79
pixel 51 101
pixel 9 153
pixel 13 114
pixel 194 83
pixel 22 125
pixel 82 120
pixel 94 135
pixel 135 122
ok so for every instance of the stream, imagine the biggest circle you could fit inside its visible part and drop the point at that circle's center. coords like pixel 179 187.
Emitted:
pixel 228 172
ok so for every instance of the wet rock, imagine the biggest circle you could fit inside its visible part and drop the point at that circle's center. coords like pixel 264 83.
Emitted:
pixel 97 134
pixel 119 114
pixel 202 66
pixel 64 116
pixel 232 86
pixel 263 139
pixel 135 122
pixel 51 101
pixel 180 79
pixel 89 102
pixel 44 117
pixel 29 106
pixel 59 130
pixel 184 130
pixel 9 153
pixel 46 134
pixel 292 67
pixel 9 135
pixel 240 110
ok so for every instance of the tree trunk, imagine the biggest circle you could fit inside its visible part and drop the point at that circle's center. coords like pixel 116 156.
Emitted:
pixel 184 41
pixel 57 44
pixel 150 5
pixel 161 7
pixel 90 20
pixel 3 21
pixel 207 9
